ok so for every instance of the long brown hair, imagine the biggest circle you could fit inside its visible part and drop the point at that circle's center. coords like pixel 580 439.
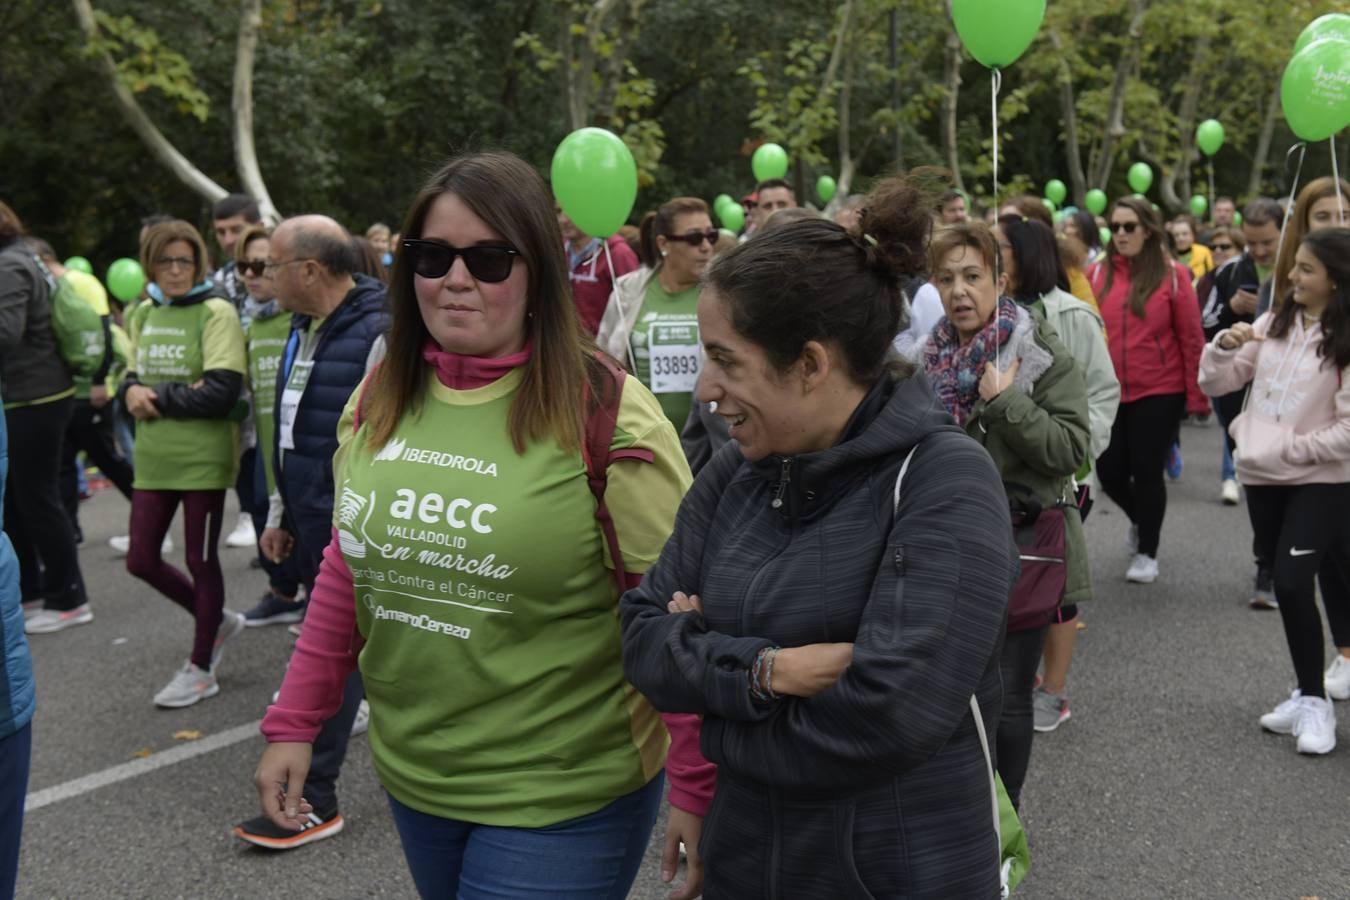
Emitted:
pixel 507 194
pixel 1149 267
pixel 1331 246
pixel 1299 226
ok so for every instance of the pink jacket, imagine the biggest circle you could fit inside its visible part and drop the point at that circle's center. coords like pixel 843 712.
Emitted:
pixel 329 644
pixel 1295 426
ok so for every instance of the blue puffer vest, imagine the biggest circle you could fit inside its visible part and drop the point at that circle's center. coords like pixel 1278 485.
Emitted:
pixel 305 476
pixel 17 697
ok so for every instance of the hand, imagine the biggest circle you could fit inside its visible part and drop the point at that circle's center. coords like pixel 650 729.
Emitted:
pixel 681 602
pixel 98 396
pixel 687 827
pixel 279 779
pixel 806 671
pixel 993 382
pixel 1238 335
pixel 141 402
pixel 276 544
pixel 1243 303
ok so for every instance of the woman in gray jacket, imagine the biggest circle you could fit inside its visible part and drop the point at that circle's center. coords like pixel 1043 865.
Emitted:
pixel 831 643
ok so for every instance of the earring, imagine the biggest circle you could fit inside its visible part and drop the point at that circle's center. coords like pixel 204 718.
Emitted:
pixel 663 254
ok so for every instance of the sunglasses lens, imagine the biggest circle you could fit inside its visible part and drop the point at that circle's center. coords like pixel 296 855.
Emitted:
pixel 490 264
pixel 430 260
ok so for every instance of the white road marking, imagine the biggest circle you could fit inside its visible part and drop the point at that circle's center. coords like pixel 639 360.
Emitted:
pixel 77 787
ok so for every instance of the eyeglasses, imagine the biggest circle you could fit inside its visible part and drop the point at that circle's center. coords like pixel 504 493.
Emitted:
pixel 285 262
pixel 695 238
pixel 253 266
pixel 1127 227
pixel 432 259
pixel 175 262
pixel 1223 247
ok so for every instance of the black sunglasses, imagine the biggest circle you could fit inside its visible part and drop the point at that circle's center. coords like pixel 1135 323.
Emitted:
pixel 695 238
pixel 253 266
pixel 1127 227
pixel 432 259
pixel 1223 247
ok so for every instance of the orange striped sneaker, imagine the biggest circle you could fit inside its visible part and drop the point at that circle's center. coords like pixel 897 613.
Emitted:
pixel 263 833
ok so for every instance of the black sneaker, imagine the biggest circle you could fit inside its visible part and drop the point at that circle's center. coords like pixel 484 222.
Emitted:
pixel 261 832
pixel 273 610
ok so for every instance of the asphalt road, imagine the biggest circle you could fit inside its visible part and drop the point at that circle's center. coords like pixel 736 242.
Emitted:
pixel 1161 785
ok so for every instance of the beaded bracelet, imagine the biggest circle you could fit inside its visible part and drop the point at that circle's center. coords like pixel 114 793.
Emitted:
pixel 761 675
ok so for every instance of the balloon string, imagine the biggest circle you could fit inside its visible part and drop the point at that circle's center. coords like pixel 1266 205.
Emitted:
pixel 997 84
pixel 1302 149
pixel 1336 179
pixel 1211 189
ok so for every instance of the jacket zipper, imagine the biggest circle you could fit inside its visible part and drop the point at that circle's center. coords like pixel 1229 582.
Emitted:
pixel 759 575
pixel 784 479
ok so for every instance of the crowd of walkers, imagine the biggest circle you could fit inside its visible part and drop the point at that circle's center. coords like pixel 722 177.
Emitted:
pixel 782 529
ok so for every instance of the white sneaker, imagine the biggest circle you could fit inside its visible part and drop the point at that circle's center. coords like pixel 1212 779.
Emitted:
pixel 1316 726
pixel 1230 492
pixel 1283 718
pixel 46 621
pixel 243 534
pixel 189 685
pixel 1337 678
pixel 1143 569
pixel 231 626
pixel 121 544
pixel 362 721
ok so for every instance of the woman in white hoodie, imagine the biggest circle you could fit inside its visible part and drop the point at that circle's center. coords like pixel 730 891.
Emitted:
pixel 1293 457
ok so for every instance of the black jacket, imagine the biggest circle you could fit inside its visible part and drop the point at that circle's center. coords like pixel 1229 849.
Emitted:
pixel 1237 274
pixel 875 787
pixel 31 367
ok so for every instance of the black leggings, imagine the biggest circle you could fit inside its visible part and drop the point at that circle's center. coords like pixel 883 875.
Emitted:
pixel 1131 469
pixel 90 430
pixel 1021 656
pixel 1303 529
pixel 44 541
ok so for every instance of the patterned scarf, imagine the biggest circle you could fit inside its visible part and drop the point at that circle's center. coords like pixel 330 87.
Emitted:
pixel 954 369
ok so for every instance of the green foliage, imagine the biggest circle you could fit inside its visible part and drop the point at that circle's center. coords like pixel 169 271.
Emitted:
pixel 145 64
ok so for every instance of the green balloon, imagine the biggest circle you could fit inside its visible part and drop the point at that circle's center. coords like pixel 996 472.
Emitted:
pixel 1140 177
pixel 1199 206
pixel 769 161
pixel 997 32
pixel 1049 204
pixel 1332 25
pixel 1237 219
pixel 720 199
pixel 1315 90
pixel 125 279
pixel 825 188
pixel 732 216
pixel 79 264
pixel 1105 234
pixel 1209 136
pixel 1095 201
pixel 1056 191
pixel 1059 216
pixel 595 180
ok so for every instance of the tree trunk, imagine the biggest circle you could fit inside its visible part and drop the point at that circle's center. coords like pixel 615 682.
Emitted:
pixel 1186 115
pixel 1263 143
pixel 615 67
pixel 1077 180
pixel 579 52
pixel 1115 118
pixel 245 154
pixel 951 89
pixel 155 141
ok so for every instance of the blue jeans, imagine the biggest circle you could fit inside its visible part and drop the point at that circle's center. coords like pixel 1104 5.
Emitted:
pixel 15 752
pixel 594 857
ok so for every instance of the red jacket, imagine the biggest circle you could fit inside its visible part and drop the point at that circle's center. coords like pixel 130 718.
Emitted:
pixel 1160 353
pixel 592 282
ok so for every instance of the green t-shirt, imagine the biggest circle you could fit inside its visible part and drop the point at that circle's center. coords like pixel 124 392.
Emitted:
pixel 265 341
pixel 92 341
pixel 492 656
pixel 179 343
pixel 666 351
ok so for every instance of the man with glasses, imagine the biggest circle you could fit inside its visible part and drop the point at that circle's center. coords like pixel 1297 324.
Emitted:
pixel 336 338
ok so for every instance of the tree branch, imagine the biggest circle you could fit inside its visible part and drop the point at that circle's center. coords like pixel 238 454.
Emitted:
pixel 159 146
pixel 1114 128
pixel 1077 180
pixel 951 88
pixel 1263 143
pixel 245 154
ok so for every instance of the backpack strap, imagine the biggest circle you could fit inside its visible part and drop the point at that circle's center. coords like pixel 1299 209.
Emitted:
pixel 601 420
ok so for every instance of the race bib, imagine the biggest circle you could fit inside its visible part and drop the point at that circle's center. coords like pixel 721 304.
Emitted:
pixel 676 357
pixel 290 402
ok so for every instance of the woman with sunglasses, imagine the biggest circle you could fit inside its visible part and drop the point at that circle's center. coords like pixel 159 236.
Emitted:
pixel 188 365
pixel 266 327
pixel 1154 334
pixel 467 573
pixel 650 324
